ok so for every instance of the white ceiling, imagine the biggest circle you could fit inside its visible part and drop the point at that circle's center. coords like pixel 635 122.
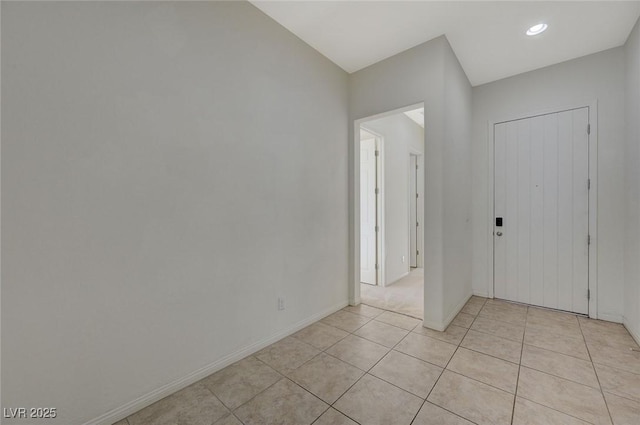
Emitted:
pixel 487 36
pixel 417 116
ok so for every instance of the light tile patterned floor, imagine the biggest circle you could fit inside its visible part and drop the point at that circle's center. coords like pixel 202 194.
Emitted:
pixel 497 363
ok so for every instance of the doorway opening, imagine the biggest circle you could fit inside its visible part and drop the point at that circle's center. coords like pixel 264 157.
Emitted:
pixel 389 183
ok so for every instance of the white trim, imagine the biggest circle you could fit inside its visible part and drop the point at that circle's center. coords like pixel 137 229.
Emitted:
pixel 629 329
pixel 381 275
pixel 615 318
pixel 593 196
pixel 141 402
pixel 419 184
pixel 447 321
pixel 482 294
pixel 399 278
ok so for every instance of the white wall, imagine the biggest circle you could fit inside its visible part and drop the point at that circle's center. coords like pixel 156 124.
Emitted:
pixel 456 185
pixel 160 190
pixel 425 73
pixel 632 185
pixel 401 136
pixel 576 82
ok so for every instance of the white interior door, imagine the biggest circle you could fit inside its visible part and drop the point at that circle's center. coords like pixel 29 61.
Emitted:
pixel 541 193
pixel 413 211
pixel 368 213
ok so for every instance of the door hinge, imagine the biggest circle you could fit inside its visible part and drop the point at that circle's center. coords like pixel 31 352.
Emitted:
pixel 416 195
pixel 417 252
pixel 588 128
pixel 377 152
pixel 377 191
pixel 588 183
pixel 377 229
pixel 416 166
pixel 588 294
pixel 417 224
pixel 588 239
pixel 376 267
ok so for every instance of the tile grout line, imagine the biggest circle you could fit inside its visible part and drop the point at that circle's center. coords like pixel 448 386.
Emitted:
pixel 515 396
pixel 595 372
pixel 366 372
pixel 445 368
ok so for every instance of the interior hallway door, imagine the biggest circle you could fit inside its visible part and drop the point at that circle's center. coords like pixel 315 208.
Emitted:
pixel 368 212
pixel 413 211
pixel 541 223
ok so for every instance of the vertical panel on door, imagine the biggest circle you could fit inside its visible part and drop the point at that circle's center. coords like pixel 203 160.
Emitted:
pixel 540 190
pixel 500 252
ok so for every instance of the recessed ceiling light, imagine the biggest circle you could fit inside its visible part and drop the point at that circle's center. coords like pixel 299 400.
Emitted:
pixel 537 29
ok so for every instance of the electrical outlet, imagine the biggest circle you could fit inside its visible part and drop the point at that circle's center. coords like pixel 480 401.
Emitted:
pixel 280 303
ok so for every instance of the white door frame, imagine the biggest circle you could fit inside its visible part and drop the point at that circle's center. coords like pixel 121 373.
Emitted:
pixel 419 184
pixel 354 279
pixel 380 275
pixel 593 194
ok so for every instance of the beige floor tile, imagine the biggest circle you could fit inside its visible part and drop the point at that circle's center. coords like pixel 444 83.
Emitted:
pixel 490 311
pixel 122 422
pixel 591 326
pixel 571 368
pixel 619 356
pixel 326 377
pixel 473 400
pixel 623 411
pixel 492 345
pixel 320 335
pixel 228 420
pixel 333 417
pixel 619 382
pixel 559 343
pixel 558 316
pixel 364 310
pixel 359 352
pixel 463 320
pixel 563 395
pixel 570 329
pixel 287 354
pixel 407 372
pixel 371 401
pixel 238 383
pixel 430 414
pixel 472 308
pixel 195 405
pixel 529 413
pixel 481 367
pixel 612 339
pixel 506 306
pixel 498 328
pixel 453 334
pixel 399 320
pixel 426 348
pixel 382 333
pixel 346 321
pixel 282 403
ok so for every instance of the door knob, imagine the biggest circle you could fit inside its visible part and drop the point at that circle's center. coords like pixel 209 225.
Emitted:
pixel 499 233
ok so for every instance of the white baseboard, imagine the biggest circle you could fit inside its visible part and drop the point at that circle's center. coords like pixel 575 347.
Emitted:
pixel 133 406
pixel 443 326
pixel 483 294
pixel 616 318
pixel 631 331
pixel 395 280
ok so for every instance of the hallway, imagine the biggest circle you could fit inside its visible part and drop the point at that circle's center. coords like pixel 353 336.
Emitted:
pixel 406 296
